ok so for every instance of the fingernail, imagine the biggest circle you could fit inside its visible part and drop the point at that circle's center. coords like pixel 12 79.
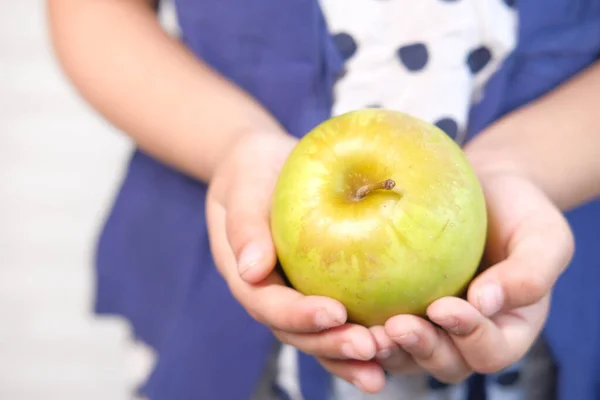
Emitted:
pixel 490 299
pixel 384 354
pixel 351 351
pixel 409 339
pixel 364 377
pixel 250 256
pixel 326 319
pixel 337 314
pixel 449 323
pixel 452 326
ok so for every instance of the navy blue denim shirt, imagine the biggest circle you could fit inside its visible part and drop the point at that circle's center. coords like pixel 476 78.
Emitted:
pixel 153 259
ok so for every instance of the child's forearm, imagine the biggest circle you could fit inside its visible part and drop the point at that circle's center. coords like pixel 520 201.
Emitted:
pixel 555 141
pixel 148 84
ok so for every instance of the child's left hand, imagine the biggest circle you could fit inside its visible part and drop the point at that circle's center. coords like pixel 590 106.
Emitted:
pixel 529 245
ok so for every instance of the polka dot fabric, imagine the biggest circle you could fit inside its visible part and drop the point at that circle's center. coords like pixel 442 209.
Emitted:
pixel 414 57
pixel 449 126
pixel 430 58
pixel 345 44
pixel 479 58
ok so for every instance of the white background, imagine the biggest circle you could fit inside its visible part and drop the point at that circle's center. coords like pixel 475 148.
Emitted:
pixel 60 165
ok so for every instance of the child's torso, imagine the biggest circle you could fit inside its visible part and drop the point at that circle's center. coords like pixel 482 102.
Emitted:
pixel 430 58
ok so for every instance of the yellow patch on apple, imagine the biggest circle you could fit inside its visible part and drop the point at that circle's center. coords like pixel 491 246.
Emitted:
pixel 380 211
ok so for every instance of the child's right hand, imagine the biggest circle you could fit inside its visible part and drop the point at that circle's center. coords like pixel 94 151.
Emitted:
pixel 238 207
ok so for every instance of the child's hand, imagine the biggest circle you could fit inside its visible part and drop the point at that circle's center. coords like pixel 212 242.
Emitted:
pixel 529 246
pixel 238 220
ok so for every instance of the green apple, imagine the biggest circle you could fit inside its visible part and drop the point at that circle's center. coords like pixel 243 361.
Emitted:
pixel 381 211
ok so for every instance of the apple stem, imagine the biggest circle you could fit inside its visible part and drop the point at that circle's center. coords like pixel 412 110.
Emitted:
pixel 388 184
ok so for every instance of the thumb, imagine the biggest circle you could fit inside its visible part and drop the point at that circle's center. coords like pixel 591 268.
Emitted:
pixel 539 251
pixel 248 228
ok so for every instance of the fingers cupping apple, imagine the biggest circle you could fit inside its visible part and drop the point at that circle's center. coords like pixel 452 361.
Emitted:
pixel 352 342
pixel 529 245
pixel 375 218
pixel 366 375
pixel 238 206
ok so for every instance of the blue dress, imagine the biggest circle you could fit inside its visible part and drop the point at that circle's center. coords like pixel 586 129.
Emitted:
pixel 154 265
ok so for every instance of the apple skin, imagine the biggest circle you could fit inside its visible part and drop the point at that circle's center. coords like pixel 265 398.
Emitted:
pixel 393 251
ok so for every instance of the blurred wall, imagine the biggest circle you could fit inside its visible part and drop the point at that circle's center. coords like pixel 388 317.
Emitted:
pixel 60 164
